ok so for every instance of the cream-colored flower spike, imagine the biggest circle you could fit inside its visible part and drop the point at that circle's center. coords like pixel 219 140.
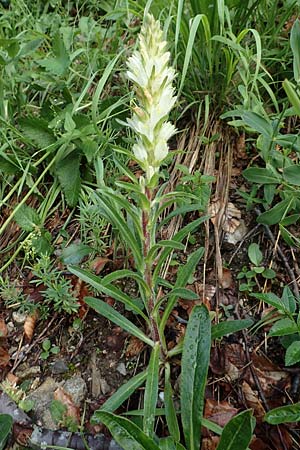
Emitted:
pixel 152 77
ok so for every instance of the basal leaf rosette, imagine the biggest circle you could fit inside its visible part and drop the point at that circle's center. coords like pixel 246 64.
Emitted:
pixel 152 77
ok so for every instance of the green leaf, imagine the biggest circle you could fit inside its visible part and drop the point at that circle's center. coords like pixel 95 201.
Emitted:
pixel 295 46
pixel 151 391
pixel 291 174
pixel 269 274
pixel 292 355
pixel 292 96
pixel 74 253
pixel 27 218
pixel 111 314
pixel 170 408
pixel 68 173
pixel 237 433
pixel 128 435
pixel 37 130
pixel 272 300
pixel 258 123
pixel 60 63
pixel 283 327
pixel 184 293
pixel 254 254
pixel 57 410
pixel 230 326
pixel 288 299
pixel 275 214
pixel 122 394
pixel 6 423
pixel 107 289
pixel 194 363
pixel 283 414
pixel 184 273
pixel 260 176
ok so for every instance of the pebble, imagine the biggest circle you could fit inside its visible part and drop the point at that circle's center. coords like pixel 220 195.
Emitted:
pixel 76 387
pixel 18 318
pixel 121 368
pixel 58 367
pixel 105 387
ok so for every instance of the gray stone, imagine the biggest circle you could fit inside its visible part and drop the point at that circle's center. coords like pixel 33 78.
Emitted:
pixel 25 372
pixel 105 387
pixel 18 318
pixel 42 397
pixel 121 368
pixel 59 366
pixel 76 387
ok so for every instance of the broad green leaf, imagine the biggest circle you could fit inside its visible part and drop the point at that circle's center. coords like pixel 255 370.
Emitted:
pixel 292 355
pixel 74 253
pixel 37 130
pixel 111 314
pixel 237 433
pixel 184 293
pixel 128 435
pixel 6 423
pixel 275 214
pixel 151 391
pixel 168 443
pixel 288 299
pixel 292 96
pixel 170 408
pixel 260 176
pixel 254 254
pixel 61 61
pixel 107 289
pixel 258 123
pixel 230 326
pixel 27 218
pixel 194 363
pixel 283 414
pixel 291 174
pixel 68 172
pixel 268 273
pixel 295 46
pixel 283 327
pixel 183 275
pixel 122 394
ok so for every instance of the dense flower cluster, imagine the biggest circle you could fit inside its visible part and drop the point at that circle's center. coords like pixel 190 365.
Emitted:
pixel 152 77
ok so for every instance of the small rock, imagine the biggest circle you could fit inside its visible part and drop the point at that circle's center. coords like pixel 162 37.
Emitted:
pixel 18 318
pixel 59 366
pixel 25 372
pixel 105 387
pixel 121 369
pixel 238 234
pixel 76 387
pixel 42 397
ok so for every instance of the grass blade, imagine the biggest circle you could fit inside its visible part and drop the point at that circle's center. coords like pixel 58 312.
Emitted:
pixel 170 408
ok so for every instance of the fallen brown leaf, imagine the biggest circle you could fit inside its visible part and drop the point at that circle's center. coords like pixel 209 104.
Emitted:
pixel 3 329
pixel 4 357
pixel 134 347
pixel 66 399
pixel 219 412
pixel 253 401
pixel 99 263
pixel 29 325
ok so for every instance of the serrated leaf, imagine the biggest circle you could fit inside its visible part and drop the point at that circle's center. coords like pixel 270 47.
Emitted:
pixel 128 435
pixel 68 172
pixel 6 423
pixel 283 414
pixel 59 64
pixel 74 253
pixel 36 129
pixel 292 355
pixel 237 433
pixel 27 218
pixel 151 391
pixel 111 314
pixel 194 363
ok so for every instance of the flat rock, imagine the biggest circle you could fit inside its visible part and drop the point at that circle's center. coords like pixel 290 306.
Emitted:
pixel 76 387
pixel 42 397
pixel 25 372
pixel 59 366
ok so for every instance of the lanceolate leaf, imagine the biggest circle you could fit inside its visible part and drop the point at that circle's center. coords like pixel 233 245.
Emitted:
pixel 68 173
pixel 229 326
pixel 237 433
pixel 291 174
pixel 260 175
pixel 258 123
pixel 111 314
pixel 6 423
pixel 151 391
pixel 107 289
pixel 275 214
pixel 128 435
pixel 170 408
pixel 284 414
pixel 122 394
pixel 195 361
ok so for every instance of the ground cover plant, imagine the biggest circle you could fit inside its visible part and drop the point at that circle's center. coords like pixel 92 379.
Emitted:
pixel 149 230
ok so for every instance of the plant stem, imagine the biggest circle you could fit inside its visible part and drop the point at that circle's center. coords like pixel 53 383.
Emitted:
pixel 147 233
